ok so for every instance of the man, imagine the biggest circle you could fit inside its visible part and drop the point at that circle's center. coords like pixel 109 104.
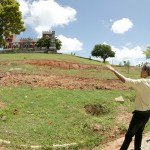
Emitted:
pixel 142 106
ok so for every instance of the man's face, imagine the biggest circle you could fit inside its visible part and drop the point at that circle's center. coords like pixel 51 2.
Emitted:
pixel 144 73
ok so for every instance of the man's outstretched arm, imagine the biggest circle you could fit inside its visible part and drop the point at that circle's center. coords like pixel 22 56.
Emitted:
pixel 120 76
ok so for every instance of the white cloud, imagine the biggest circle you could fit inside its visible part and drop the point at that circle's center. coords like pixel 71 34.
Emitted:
pixel 24 7
pixel 121 26
pixel 134 55
pixel 43 15
pixel 70 44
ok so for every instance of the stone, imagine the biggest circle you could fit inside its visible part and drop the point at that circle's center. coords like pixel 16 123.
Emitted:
pixel 119 99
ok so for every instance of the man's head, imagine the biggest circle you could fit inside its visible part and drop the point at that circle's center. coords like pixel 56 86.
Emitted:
pixel 145 72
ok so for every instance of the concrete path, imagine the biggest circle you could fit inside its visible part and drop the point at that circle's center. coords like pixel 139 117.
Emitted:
pixel 115 145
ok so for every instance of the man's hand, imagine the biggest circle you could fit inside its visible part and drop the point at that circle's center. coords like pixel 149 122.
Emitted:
pixel 120 76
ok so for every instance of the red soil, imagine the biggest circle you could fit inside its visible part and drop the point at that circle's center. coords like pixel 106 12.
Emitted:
pixel 55 81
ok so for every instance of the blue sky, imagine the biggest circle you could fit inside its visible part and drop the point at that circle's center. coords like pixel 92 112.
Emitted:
pixel 123 24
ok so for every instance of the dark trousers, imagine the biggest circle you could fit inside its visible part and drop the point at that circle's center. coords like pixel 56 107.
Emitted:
pixel 136 128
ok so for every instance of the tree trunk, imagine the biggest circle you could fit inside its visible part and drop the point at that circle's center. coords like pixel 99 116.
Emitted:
pixel 104 60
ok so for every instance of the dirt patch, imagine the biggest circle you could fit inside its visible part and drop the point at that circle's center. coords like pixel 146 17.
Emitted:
pixel 53 81
pixel 124 117
pixel 2 105
pixel 96 109
pixel 64 65
pixel 114 133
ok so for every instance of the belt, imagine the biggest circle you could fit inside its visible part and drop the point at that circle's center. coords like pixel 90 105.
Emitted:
pixel 147 112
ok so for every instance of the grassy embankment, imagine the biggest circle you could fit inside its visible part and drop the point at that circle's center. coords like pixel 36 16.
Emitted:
pixel 39 116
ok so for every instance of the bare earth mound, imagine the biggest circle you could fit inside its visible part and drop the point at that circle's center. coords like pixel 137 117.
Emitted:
pixel 55 81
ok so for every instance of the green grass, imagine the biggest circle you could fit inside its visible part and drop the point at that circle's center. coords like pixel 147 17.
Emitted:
pixel 57 116
pixel 46 117
pixel 133 72
pixel 47 70
pixel 41 56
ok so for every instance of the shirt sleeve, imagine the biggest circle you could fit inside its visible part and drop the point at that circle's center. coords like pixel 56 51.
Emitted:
pixel 132 82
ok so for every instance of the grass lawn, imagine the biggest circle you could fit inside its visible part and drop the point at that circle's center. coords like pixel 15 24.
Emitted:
pixel 41 116
pixel 134 72
pixel 41 56
pixel 14 67
pixel 45 117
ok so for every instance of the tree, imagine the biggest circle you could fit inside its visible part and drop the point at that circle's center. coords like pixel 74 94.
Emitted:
pixel 102 50
pixel 58 43
pixel 45 42
pixel 127 64
pixel 10 20
pixel 147 52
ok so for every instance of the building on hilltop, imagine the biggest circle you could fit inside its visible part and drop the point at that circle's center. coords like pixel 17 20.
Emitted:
pixel 51 35
pixel 29 43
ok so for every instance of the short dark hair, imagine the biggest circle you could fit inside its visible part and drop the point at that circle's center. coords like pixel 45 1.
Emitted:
pixel 146 67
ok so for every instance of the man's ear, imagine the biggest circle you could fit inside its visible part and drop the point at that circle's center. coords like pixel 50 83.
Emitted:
pixel 146 72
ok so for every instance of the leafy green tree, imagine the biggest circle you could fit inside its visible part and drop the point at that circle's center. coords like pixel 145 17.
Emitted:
pixel 45 42
pixel 102 50
pixel 10 20
pixel 58 43
pixel 147 52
